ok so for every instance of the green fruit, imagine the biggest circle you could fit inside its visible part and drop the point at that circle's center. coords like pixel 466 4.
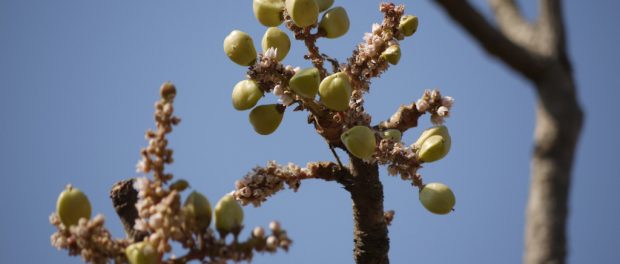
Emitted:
pixel 246 94
pixel 335 91
pixel 72 205
pixel 269 12
pixel 360 141
pixel 392 134
pixel 228 214
pixel 266 118
pixel 306 82
pixel 324 4
pixel 142 253
pixel 391 54
pixel 198 208
pixel 276 38
pixel 335 22
pixel 436 130
pixel 408 25
pixel 303 12
pixel 437 198
pixel 239 47
pixel 179 185
pixel 434 148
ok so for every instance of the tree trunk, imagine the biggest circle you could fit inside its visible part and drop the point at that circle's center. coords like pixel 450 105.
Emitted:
pixel 558 124
pixel 370 234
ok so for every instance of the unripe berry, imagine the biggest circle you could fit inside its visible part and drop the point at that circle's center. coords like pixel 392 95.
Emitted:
pixel 269 12
pixel 303 12
pixel 72 205
pixel 324 4
pixel 408 25
pixel 179 185
pixel 246 94
pixel 392 134
pixel 391 54
pixel 436 130
pixel 266 118
pixel 335 22
pixel 142 253
pixel 335 91
pixel 360 141
pixel 228 215
pixel 306 82
pixel 434 148
pixel 198 208
pixel 276 38
pixel 239 47
pixel 437 198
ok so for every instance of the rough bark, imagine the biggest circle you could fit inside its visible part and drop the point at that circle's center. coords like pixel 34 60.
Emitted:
pixel 124 198
pixel 538 53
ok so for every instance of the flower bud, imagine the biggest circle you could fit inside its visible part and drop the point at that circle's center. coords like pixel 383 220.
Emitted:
pixel 392 134
pixel 303 12
pixel 306 82
pixel 246 94
pixel 266 118
pixel 168 91
pixel 434 148
pixel 360 141
pixel 436 130
pixel 179 185
pixel 276 38
pixel 408 25
pixel 437 198
pixel 228 214
pixel 335 22
pixel 269 12
pixel 198 208
pixel 142 253
pixel 72 205
pixel 324 4
pixel 335 91
pixel 391 54
pixel 239 47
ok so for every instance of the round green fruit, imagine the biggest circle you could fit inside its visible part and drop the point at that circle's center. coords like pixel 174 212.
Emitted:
pixel 391 54
pixel 324 4
pixel 437 198
pixel 436 130
pixel 335 91
pixel 142 253
pixel 72 205
pixel 392 134
pixel 269 12
pixel 276 38
pixel 408 25
pixel 246 94
pixel 360 141
pixel 198 208
pixel 434 148
pixel 306 82
pixel 266 118
pixel 303 12
pixel 335 22
pixel 228 215
pixel 239 47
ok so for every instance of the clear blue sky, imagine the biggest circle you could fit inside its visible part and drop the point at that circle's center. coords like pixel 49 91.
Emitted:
pixel 79 79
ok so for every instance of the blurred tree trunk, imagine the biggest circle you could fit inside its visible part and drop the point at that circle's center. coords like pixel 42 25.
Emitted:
pixel 537 51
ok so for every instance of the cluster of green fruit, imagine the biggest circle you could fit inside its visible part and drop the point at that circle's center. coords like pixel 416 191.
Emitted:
pixel 73 205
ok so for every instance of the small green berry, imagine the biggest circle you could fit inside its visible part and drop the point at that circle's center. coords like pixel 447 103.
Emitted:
pixel 392 134
pixel 269 12
pixel 391 54
pixel 335 91
pixel 306 82
pixel 335 22
pixel 360 141
pixel 437 198
pixel 198 208
pixel 266 118
pixel 179 185
pixel 436 130
pixel 276 38
pixel 142 253
pixel 408 25
pixel 228 215
pixel 434 148
pixel 72 205
pixel 324 4
pixel 303 12
pixel 246 94
pixel 239 47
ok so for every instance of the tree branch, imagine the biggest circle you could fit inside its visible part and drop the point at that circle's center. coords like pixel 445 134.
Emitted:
pixel 526 62
pixel 124 198
pixel 552 31
pixel 512 24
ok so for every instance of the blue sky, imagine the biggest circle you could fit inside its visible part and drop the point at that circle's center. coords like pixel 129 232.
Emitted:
pixel 79 79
